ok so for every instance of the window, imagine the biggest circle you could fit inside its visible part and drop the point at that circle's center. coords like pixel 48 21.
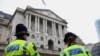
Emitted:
pixel 33 36
pixel 42 47
pixel 59 49
pixel 42 38
pixel 58 42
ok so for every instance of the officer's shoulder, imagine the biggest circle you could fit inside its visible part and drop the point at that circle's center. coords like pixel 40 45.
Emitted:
pixel 81 46
pixel 33 45
pixel 30 43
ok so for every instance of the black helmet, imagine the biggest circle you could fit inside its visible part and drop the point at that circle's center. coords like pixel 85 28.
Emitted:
pixel 20 29
pixel 67 35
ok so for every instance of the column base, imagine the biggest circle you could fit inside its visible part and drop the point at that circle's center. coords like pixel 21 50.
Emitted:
pixel 45 34
pixel 55 36
pixel 37 32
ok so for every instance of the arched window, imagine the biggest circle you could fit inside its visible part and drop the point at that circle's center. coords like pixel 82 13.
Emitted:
pixel 41 46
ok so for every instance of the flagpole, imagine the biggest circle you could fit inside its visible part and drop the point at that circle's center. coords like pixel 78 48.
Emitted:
pixel 43 2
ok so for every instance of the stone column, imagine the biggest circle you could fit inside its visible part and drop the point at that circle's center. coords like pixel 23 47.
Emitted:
pixel 26 20
pixel 44 25
pixel 53 28
pixel 36 24
pixel 65 29
pixel 29 21
pixel 59 30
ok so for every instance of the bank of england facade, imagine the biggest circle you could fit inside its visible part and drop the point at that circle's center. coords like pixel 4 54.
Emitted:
pixel 45 27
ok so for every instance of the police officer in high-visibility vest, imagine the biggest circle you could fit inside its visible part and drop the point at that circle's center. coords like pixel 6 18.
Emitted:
pixel 73 49
pixel 20 46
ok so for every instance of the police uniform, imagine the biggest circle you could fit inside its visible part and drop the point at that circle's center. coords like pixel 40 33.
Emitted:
pixel 75 50
pixel 20 47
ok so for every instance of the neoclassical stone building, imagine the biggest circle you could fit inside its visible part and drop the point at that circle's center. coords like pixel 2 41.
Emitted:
pixel 46 28
pixel 4 19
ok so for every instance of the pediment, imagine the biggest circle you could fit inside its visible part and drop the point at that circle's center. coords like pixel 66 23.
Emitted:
pixel 48 13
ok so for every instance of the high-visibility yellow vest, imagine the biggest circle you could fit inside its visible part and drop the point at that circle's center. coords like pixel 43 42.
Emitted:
pixel 75 50
pixel 21 48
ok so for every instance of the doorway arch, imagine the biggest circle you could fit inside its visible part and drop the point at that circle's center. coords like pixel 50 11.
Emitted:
pixel 50 44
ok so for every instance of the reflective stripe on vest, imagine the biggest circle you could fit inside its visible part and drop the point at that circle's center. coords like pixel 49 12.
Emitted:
pixel 63 53
pixel 24 49
pixel 75 51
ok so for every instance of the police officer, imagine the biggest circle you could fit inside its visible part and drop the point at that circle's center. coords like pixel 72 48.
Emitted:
pixel 21 47
pixel 73 49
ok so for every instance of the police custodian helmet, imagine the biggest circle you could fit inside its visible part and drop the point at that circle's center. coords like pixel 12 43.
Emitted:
pixel 21 29
pixel 67 35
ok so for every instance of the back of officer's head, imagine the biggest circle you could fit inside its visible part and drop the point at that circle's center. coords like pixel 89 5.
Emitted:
pixel 69 37
pixel 21 30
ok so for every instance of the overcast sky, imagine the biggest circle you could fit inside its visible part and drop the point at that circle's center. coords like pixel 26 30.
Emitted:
pixel 80 14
